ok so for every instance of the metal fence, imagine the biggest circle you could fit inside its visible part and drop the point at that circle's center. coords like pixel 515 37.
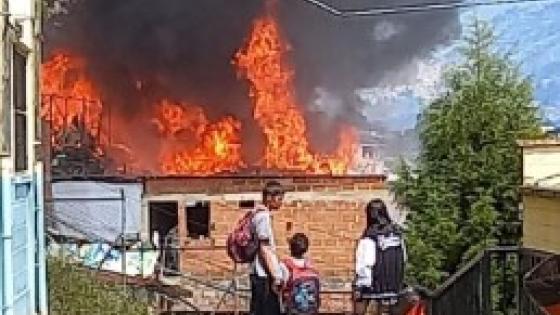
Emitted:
pixel 490 284
pixel 542 284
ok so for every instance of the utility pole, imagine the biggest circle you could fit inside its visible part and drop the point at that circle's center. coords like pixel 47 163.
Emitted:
pixel 123 230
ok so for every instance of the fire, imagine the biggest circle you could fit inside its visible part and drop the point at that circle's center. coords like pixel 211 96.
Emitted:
pixel 71 101
pixel 190 144
pixel 172 118
pixel 262 62
pixel 216 145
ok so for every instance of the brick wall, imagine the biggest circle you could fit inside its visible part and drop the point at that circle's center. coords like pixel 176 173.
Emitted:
pixel 329 210
pixel 332 227
pixel 227 185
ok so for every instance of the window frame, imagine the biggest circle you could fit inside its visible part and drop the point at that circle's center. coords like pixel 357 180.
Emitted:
pixel 20 50
pixel 6 104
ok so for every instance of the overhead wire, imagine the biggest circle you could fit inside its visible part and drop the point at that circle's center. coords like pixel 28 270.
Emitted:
pixel 411 8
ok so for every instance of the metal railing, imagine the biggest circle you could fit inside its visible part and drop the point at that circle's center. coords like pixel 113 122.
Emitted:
pixel 492 283
pixel 542 285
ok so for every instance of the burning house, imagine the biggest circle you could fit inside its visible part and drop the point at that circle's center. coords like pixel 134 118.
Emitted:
pixel 202 151
pixel 188 141
pixel 206 182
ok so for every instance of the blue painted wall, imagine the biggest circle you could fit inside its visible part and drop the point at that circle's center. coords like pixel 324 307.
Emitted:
pixel 23 273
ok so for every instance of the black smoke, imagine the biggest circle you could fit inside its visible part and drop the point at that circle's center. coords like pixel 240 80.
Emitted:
pixel 183 49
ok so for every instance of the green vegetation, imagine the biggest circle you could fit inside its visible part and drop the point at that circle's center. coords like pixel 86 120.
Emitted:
pixel 463 192
pixel 75 290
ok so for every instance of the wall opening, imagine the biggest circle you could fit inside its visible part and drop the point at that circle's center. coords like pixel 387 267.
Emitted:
pixel 198 220
pixel 164 219
pixel 247 204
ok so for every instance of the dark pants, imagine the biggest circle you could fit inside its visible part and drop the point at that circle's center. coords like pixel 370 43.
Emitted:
pixel 406 301
pixel 264 301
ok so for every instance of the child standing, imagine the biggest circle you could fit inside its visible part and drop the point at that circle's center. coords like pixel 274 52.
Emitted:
pixel 300 294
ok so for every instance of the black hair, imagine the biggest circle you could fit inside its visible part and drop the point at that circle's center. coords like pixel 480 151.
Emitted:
pixel 299 243
pixel 271 189
pixel 376 213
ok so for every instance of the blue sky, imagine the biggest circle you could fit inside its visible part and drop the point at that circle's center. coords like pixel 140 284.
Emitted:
pixel 530 30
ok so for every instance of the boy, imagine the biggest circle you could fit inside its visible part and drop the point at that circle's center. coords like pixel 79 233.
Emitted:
pixel 300 294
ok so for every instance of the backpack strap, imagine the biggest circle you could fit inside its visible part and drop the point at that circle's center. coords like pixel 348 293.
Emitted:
pixel 289 262
pixel 259 208
pixel 307 265
pixel 251 214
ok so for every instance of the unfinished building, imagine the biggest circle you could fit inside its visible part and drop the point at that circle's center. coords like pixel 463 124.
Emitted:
pixel 330 210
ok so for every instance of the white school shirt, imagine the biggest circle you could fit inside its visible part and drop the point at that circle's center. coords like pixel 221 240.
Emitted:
pixel 365 257
pixel 263 227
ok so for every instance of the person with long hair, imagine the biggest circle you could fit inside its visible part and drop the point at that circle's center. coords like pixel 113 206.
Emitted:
pixel 380 262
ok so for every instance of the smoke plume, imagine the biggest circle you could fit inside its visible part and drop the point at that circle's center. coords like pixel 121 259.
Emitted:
pixel 141 50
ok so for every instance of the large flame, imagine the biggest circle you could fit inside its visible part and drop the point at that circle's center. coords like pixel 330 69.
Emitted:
pixel 70 99
pixel 210 147
pixel 264 65
pixel 190 144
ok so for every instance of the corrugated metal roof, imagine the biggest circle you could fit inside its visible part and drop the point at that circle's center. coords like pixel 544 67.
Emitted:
pixel 94 209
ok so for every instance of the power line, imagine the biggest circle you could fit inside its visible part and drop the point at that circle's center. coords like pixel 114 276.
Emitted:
pixel 411 8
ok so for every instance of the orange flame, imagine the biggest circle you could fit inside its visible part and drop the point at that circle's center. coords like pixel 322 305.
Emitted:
pixel 72 102
pixel 217 145
pixel 263 63
pixel 190 143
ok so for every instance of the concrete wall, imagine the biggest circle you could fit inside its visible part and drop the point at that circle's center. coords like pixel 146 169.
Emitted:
pixel 541 162
pixel 541 194
pixel 541 221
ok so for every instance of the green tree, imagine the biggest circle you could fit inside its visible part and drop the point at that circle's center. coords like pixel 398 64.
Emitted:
pixel 464 189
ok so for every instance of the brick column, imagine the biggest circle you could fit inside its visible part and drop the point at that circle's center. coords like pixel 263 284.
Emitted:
pixel 182 221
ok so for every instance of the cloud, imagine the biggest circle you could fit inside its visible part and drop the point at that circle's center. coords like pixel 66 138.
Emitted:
pixel 385 30
pixel 396 101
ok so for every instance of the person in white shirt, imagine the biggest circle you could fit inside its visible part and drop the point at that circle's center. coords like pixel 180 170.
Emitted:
pixel 266 274
pixel 380 260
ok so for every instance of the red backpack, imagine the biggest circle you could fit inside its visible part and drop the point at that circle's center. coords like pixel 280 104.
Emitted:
pixel 242 243
pixel 301 295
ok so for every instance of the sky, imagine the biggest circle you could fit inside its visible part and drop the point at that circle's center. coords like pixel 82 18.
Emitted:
pixel 531 31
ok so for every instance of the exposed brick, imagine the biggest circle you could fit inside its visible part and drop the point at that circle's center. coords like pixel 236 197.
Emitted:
pixel 333 224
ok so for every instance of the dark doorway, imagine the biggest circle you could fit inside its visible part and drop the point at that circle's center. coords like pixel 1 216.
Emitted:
pixel 164 219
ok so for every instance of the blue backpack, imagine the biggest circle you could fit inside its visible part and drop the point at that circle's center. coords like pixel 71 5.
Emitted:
pixel 302 292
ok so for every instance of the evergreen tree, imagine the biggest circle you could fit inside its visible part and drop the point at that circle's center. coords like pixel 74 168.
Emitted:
pixel 463 193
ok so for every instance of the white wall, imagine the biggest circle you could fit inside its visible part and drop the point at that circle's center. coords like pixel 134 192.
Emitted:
pixel 540 162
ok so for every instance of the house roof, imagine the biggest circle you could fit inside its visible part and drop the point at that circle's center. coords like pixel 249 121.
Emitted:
pixel 544 191
pixel 549 142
